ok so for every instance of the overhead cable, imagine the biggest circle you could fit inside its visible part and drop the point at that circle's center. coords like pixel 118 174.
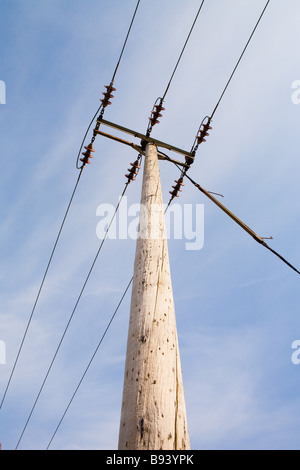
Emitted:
pixel 87 155
pixel 158 105
pixel 72 314
pixel 257 238
pixel 183 49
pixel 205 125
pixel 104 103
pixel 40 289
pixel 93 355
pixel 240 58
pixel 90 362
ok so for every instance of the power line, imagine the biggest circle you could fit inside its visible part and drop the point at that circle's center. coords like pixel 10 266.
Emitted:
pixel 245 227
pixel 93 355
pixel 90 362
pixel 158 108
pixel 256 237
pixel 131 176
pixel 85 160
pixel 183 49
pixel 101 108
pixel 205 126
pixel 85 136
pixel 202 133
pixel 126 39
pixel 240 58
pixel 117 209
pixel 41 287
pixel 72 315
pixel 154 117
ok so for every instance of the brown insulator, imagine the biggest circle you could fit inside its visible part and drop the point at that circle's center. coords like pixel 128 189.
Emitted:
pixel 177 188
pixel 203 133
pixel 135 164
pixel 133 171
pixel 156 113
pixel 107 95
pixel 130 177
pixel 159 107
pixel 153 121
pixel 90 147
pixel 105 102
pixel 87 154
pixel 110 88
pixel 180 181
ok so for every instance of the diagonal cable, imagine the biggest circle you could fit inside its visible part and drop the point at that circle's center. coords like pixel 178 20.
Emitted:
pixel 71 316
pixel 90 362
pixel 202 132
pixel 183 49
pixel 158 105
pixel 240 58
pixel 92 358
pixel 245 227
pixel 67 211
pixel 40 288
pixel 112 81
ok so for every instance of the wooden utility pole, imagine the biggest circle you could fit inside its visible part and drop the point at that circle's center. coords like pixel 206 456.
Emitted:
pixel 153 415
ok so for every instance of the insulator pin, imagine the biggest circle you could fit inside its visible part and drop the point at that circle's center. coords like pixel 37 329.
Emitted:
pixel 107 95
pixel 202 133
pixel 130 177
pixel 110 88
pixel 177 188
pixel 87 154
pixel 156 113
pixel 133 171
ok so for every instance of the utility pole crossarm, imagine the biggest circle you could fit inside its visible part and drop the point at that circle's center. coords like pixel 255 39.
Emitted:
pixel 144 138
pixel 139 149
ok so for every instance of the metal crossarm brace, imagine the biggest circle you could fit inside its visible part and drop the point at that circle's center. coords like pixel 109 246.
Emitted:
pixel 139 149
pixel 144 138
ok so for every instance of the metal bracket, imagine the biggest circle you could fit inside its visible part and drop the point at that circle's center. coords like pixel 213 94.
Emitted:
pixel 140 149
pixel 144 138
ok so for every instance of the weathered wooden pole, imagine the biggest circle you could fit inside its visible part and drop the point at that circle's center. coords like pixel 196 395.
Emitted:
pixel 153 415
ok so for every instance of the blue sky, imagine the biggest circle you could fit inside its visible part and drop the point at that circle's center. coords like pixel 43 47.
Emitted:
pixel 237 305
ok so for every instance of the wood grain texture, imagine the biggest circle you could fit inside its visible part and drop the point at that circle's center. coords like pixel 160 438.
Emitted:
pixel 153 415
